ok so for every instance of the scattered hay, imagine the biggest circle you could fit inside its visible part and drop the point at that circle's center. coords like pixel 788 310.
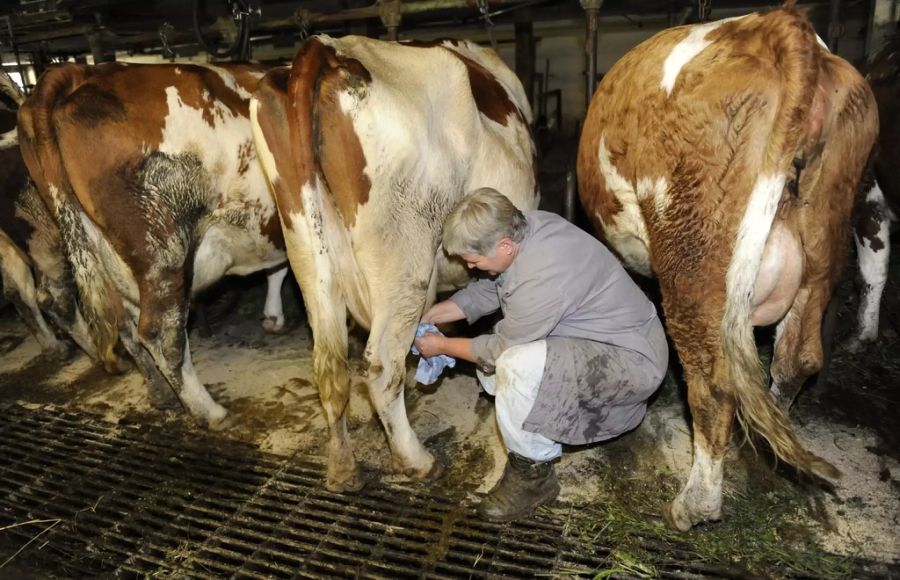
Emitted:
pixel 760 534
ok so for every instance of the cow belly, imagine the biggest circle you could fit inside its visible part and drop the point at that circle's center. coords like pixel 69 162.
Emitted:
pixel 229 250
pixel 779 276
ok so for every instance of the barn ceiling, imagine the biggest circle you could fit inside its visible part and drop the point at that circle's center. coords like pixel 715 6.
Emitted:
pixel 61 28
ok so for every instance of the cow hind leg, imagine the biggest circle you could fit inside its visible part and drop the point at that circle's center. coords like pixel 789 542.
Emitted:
pixel 872 238
pixel 712 411
pixel 333 378
pixel 273 312
pixel 19 288
pixel 798 345
pixel 158 388
pixel 327 315
pixel 161 330
pixel 391 335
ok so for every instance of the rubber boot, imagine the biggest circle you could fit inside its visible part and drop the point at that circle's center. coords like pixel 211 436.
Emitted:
pixel 524 486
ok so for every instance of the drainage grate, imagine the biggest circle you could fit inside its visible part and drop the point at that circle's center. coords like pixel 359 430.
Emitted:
pixel 137 501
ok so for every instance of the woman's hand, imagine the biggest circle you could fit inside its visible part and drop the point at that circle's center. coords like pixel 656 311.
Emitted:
pixel 443 312
pixel 430 344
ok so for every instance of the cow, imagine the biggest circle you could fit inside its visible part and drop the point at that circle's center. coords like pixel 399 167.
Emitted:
pixel 725 158
pixel 881 202
pixel 35 275
pixel 368 145
pixel 151 173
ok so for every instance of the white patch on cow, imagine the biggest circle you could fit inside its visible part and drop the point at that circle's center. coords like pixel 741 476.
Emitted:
pixel 657 190
pixel 267 160
pixel 231 82
pixel 219 148
pixel 274 310
pixel 685 51
pixel 9 139
pixel 178 70
pixel 194 395
pixel 873 265
pixel 701 498
pixel 753 232
pixel 628 232
pixel 822 43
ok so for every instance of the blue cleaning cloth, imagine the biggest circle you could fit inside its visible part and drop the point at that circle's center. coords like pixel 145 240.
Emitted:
pixel 430 368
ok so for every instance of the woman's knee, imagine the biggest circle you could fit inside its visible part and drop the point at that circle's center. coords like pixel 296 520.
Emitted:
pixel 523 363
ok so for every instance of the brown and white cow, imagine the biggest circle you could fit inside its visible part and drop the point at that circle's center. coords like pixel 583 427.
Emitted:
pixel 151 173
pixel 725 158
pixel 36 277
pixel 882 198
pixel 368 146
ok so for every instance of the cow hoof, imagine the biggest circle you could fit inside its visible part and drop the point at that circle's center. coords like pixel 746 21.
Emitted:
pixel 116 366
pixel 220 423
pixel 60 351
pixel 164 402
pixel 436 472
pixel 674 521
pixel 854 345
pixel 346 483
pixel 272 325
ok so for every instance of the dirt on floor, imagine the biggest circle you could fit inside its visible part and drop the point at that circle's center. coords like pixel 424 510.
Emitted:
pixel 617 488
pixel 612 493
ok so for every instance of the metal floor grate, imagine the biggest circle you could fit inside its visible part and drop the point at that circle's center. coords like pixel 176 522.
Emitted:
pixel 139 501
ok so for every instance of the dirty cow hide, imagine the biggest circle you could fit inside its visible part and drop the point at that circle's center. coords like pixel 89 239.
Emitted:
pixel 151 173
pixel 368 146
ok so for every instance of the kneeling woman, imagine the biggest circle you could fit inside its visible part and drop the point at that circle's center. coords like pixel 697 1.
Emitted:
pixel 577 354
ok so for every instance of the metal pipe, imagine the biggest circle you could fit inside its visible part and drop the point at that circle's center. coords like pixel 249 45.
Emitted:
pixel 592 7
pixel 834 25
pixel 15 47
pixel 569 199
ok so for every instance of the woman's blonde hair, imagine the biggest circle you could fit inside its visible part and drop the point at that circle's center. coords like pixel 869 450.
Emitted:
pixel 482 219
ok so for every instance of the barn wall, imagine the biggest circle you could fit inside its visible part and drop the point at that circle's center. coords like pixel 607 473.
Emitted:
pixel 560 49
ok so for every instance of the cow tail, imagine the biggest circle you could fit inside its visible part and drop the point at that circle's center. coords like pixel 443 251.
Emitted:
pixel 314 61
pixel 740 368
pixel 40 150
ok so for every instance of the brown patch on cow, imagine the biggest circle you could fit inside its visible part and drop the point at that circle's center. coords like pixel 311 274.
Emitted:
pixel 340 152
pixel 271 229
pixel 437 42
pixel 246 154
pixel 491 98
pixel 92 105
pixel 273 119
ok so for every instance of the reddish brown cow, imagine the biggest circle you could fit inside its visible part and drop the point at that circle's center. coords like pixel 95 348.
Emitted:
pixel 151 173
pixel 725 158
